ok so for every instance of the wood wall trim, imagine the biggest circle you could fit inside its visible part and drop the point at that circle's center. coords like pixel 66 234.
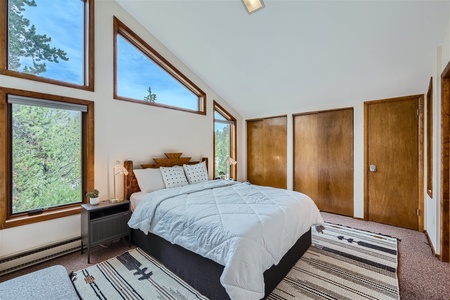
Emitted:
pixel 444 184
pixel 429 104
pixel 421 163
pixel 366 161
pixel 266 118
pixel 320 111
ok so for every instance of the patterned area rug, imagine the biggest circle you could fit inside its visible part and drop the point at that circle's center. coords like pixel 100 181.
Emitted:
pixel 132 275
pixel 343 263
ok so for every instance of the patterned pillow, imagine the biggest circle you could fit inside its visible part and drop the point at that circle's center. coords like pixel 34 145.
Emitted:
pixel 173 176
pixel 196 173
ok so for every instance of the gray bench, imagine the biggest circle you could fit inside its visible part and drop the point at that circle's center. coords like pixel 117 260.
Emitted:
pixel 46 284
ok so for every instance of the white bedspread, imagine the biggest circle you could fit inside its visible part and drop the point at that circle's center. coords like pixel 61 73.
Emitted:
pixel 245 228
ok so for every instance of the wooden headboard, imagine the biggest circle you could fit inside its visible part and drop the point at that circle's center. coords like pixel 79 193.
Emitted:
pixel 172 159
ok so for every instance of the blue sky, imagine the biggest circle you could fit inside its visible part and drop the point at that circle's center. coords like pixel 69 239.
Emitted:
pixel 136 73
pixel 63 22
pixel 48 17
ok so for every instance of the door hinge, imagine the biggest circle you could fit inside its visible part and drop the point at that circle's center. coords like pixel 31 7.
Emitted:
pixel 418 111
pixel 418 212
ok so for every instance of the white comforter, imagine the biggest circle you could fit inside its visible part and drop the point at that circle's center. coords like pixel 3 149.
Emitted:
pixel 245 228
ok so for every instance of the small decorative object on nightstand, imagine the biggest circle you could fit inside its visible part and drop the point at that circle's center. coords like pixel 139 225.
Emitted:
pixel 103 223
pixel 93 197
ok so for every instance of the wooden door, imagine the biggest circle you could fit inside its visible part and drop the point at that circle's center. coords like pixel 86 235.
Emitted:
pixel 323 159
pixel 392 148
pixel 267 151
pixel 255 152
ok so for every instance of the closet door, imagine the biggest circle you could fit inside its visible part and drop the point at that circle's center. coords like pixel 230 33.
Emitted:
pixel 266 151
pixel 323 159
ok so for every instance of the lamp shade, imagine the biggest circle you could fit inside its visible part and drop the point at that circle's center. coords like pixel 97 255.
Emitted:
pixel 253 5
pixel 231 161
pixel 119 169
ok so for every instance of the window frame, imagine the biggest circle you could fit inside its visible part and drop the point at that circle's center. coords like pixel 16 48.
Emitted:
pixel 88 50
pixel 125 32
pixel 233 138
pixel 7 220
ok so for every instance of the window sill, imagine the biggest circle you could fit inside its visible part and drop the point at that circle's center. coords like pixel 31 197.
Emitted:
pixel 44 216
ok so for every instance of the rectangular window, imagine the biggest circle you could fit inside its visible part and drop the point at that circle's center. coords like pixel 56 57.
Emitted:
pixel 224 143
pixel 142 75
pixel 48 41
pixel 47 159
pixel 46 154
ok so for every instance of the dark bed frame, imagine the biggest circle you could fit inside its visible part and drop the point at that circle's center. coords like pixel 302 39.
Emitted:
pixel 201 273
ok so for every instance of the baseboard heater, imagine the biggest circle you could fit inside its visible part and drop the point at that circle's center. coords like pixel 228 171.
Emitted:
pixel 31 257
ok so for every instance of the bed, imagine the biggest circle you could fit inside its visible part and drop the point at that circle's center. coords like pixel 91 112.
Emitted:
pixel 180 225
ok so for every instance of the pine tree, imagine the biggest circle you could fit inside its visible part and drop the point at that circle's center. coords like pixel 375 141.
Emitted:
pixel 151 97
pixel 24 41
pixel 46 157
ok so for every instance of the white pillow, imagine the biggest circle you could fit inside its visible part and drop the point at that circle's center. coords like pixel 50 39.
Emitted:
pixel 149 180
pixel 173 176
pixel 196 173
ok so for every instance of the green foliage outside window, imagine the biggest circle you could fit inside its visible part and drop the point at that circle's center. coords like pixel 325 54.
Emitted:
pixel 222 150
pixel 46 157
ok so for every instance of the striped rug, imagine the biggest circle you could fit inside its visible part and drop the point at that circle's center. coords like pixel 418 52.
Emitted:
pixel 343 263
pixel 132 275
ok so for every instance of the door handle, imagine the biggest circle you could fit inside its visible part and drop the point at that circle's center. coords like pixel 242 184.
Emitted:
pixel 372 168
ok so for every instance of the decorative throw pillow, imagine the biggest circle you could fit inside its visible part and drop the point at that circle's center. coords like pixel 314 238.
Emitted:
pixel 196 173
pixel 149 180
pixel 173 176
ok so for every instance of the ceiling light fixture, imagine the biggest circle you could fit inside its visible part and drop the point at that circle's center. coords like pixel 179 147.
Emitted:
pixel 253 5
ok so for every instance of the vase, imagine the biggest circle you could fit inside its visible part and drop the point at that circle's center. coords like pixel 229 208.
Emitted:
pixel 94 201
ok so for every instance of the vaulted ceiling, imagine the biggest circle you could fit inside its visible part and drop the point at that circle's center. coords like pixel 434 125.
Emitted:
pixel 297 55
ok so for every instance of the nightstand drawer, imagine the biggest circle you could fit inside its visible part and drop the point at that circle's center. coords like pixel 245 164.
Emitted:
pixel 108 228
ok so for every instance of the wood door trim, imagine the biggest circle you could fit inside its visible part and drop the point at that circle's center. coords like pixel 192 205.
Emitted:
pixel 321 111
pixel 421 163
pixel 445 159
pixel 420 178
pixel 272 117
pixel 430 142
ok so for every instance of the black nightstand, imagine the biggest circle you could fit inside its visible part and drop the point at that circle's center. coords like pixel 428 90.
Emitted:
pixel 103 223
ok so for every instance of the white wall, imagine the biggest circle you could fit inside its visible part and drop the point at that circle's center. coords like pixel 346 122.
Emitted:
pixel 142 133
